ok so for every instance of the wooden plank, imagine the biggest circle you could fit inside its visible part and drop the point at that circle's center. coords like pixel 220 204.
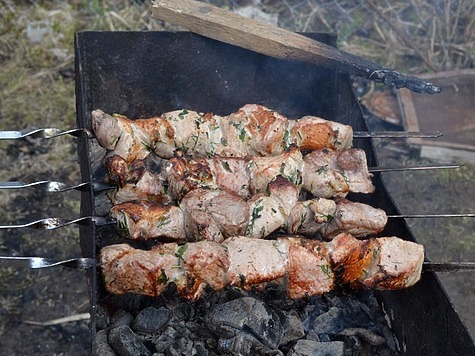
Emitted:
pixel 453 114
pixel 225 26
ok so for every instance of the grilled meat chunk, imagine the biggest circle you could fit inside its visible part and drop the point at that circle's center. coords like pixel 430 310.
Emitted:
pixel 304 267
pixel 328 174
pixel 319 172
pixel 142 221
pixel 356 218
pixel 132 139
pixel 216 215
pixel 251 130
pixel 134 181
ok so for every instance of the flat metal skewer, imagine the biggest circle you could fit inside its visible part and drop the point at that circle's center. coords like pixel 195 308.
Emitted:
pixel 85 263
pixel 419 216
pixel 56 223
pixel 396 134
pixel 52 132
pixel 414 168
pixel 51 186
pixel 448 266
pixel 40 262
pixel 43 133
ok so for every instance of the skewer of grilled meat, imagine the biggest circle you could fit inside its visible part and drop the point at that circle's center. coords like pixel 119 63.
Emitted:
pixel 215 215
pixel 304 267
pixel 252 130
pixel 323 173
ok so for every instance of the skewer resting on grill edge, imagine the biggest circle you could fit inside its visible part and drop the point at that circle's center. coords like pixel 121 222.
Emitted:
pixel 51 186
pixel 412 168
pixel 40 262
pixel 43 133
pixel 396 134
pixel 48 133
pixel 225 26
pixel 85 263
pixel 56 223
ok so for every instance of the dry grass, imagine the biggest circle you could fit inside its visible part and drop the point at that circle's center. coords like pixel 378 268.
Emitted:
pixel 36 88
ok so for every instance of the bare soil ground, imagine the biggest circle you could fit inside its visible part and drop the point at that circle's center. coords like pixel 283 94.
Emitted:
pixel 37 90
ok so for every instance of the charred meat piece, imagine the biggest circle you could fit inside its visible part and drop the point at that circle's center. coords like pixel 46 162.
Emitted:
pixel 251 130
pixel 134 181
pixel 304 267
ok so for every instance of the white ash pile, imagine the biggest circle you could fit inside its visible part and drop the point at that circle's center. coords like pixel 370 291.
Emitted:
pixel 235 322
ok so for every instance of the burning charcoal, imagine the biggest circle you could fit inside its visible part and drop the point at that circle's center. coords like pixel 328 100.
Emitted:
pixel 248 315
pixel 125 342
pixel 101 345
pixel 121 317
pixel 365 334
pixel 102 317
pixel 241 344
pixel 165 339
pixel 293 328
pixel 315 348
pixel 151 320
pixel 328 322
pixel 199 349
pixel 174 340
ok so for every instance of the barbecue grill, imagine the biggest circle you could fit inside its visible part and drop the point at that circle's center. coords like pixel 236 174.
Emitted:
pixel 142 74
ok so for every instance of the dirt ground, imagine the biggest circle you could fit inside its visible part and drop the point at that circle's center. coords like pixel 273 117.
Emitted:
pixel 37 90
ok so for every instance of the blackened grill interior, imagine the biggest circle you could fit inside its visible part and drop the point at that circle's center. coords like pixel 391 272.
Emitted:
pixel 141 74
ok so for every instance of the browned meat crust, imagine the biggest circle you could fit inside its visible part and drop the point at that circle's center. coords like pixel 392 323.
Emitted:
pixel 251 130
pixel 323 173
pixel 304 267
pixel 216 215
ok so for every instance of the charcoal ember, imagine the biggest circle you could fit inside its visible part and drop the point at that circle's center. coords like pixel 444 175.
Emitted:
pixel 121 317
pixel 315 348
pixel 241 344
pixel 199 349
pixel 293 328
pixel 101 344
pixel 329 322
pixel 365 334
pixel 165 339
pixel 248 321
pixel 102 317
pixel 126 343
pixel 174 340
pixel 151 320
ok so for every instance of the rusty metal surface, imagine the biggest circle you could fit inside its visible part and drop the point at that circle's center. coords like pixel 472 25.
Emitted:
pixel 145 73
